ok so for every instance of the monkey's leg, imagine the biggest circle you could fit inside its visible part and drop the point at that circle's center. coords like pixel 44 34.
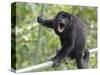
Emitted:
pixel 81 62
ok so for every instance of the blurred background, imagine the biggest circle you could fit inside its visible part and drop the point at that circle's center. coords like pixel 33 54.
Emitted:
pixel 34 44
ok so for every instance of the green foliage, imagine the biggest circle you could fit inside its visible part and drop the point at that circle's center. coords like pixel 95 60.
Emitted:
pixel 30 50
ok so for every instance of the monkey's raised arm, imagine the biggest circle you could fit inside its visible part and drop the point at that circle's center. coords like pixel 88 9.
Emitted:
pixel 47 23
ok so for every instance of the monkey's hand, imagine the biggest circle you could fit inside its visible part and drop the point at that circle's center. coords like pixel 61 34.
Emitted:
pixel 39 19
pixel 56 61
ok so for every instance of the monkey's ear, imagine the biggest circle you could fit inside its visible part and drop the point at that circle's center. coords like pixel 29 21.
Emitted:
pixel 70 19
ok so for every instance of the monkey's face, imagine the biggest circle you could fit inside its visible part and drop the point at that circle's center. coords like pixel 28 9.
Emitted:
pixel 62 22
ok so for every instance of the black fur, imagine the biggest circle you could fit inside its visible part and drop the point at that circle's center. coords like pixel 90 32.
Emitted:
pixel 71 32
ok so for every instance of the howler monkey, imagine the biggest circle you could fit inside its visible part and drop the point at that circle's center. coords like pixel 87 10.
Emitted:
pixel 71 32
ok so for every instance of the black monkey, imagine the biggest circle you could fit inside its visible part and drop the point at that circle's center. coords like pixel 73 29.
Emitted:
pixel 71 32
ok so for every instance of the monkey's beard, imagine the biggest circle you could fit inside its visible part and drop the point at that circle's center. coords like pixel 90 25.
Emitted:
pixel 61 27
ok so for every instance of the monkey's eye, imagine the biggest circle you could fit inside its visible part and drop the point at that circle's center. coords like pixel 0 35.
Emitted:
pixel 64 15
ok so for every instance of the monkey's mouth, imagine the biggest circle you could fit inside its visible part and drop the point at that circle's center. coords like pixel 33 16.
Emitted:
pixel 61 27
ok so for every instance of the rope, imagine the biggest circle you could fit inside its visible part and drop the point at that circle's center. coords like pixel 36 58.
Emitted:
pixel 39 34
pixel 39 30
